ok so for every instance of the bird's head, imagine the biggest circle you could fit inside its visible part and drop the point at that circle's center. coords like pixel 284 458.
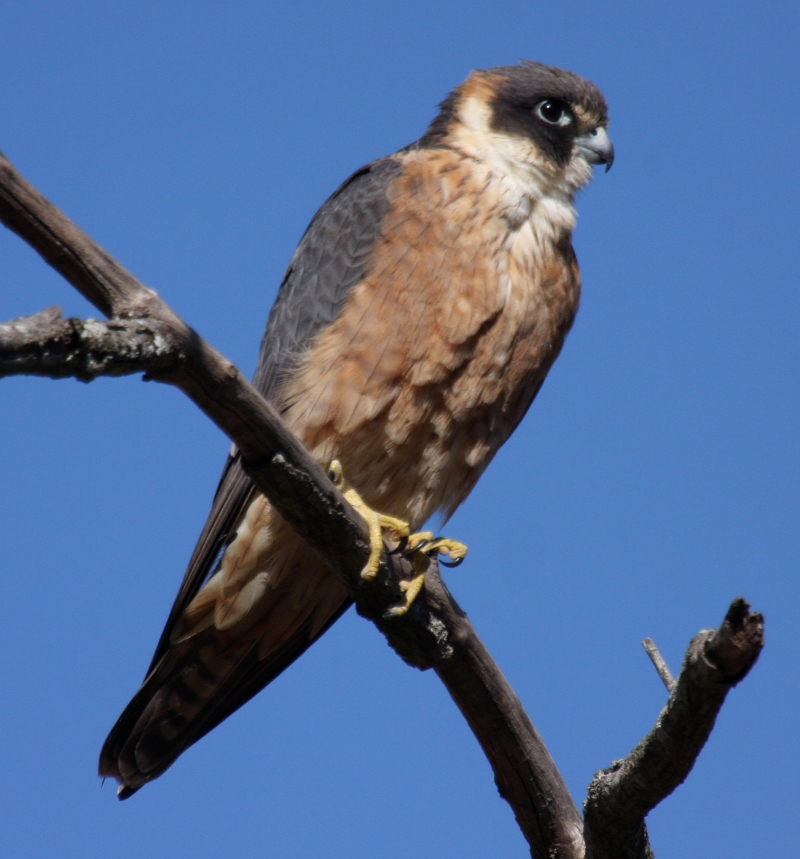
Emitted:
pixel 530 119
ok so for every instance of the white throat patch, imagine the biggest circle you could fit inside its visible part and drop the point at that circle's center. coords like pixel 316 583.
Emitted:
pixel 532 187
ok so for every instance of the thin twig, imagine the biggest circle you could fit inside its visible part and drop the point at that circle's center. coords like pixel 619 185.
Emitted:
pixel 661 666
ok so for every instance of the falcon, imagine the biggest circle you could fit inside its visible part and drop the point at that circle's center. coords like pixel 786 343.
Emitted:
pixel 415 324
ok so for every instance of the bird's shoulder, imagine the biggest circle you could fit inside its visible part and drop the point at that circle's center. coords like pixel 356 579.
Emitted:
pixel 339 246
pixel 331 258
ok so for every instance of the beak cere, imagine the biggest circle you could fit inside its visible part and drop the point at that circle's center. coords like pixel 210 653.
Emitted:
pixel 596 147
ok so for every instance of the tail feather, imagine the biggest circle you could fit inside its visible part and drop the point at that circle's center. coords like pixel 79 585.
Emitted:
pixel 197 684
pixel 169 722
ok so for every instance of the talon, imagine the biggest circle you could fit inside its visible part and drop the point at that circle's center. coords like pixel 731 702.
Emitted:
pixel 376 522
pixel 335 473
pixel 417 543
pixel 452 548
pixel 425 542
pixel 410 590
pixel 400 548
pixel 418 547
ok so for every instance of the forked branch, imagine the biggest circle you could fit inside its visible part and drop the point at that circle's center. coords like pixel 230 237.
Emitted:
pixel 621 796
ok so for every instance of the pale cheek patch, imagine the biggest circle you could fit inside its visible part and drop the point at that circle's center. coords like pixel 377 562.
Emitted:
pixel 515 158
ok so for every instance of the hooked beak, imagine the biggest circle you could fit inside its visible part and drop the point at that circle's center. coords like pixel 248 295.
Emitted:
pixel 596 147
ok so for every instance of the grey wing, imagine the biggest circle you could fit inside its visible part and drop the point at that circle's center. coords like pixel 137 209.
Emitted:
pixel 330 260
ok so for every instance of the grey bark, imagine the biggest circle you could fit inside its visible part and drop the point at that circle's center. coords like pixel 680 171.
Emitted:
pixel 49 345
pixel 621 796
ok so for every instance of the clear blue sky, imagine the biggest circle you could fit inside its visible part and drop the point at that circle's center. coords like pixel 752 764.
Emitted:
pixel 655 478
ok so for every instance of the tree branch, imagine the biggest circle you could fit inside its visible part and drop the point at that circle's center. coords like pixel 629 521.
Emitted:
pixel 435 632
pixel 621 796
pixel 49 345
pixel 278 463
pixel 525 774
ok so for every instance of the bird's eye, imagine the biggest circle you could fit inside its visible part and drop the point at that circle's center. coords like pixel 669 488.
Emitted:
pixel 554 112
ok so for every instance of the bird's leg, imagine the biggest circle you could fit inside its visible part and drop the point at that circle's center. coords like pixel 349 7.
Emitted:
pixel 376 522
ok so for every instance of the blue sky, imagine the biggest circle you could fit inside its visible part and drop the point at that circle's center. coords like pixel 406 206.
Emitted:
pixel 654 479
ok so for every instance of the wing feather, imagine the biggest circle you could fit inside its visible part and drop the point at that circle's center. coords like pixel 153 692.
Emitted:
pixel 311 295
pixel 332 257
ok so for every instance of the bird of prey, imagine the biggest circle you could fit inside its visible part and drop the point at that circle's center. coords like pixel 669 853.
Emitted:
pixel 415 324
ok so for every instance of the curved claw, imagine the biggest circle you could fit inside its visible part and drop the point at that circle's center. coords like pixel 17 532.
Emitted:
pixel 417 547
pixel 401 547
pixel 454 550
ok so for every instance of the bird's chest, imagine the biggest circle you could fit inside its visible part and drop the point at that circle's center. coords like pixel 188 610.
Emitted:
pixel 542 296
pixel 536 287
pixel 525 285
pixel 510 290
pixel 443 345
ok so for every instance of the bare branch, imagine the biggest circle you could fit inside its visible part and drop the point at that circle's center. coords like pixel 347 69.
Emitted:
pixel 146 335
pixel 84 264
pixel 735 647
pixel 277 461
pixel 658 660
pixel 525 774
pixel 620 797
pixel 49 345
pixel 435 632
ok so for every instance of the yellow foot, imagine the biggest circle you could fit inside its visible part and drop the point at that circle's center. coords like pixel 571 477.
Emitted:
pixel 419 546
pixel 424 543
pixel 410 589
pixel 376 522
